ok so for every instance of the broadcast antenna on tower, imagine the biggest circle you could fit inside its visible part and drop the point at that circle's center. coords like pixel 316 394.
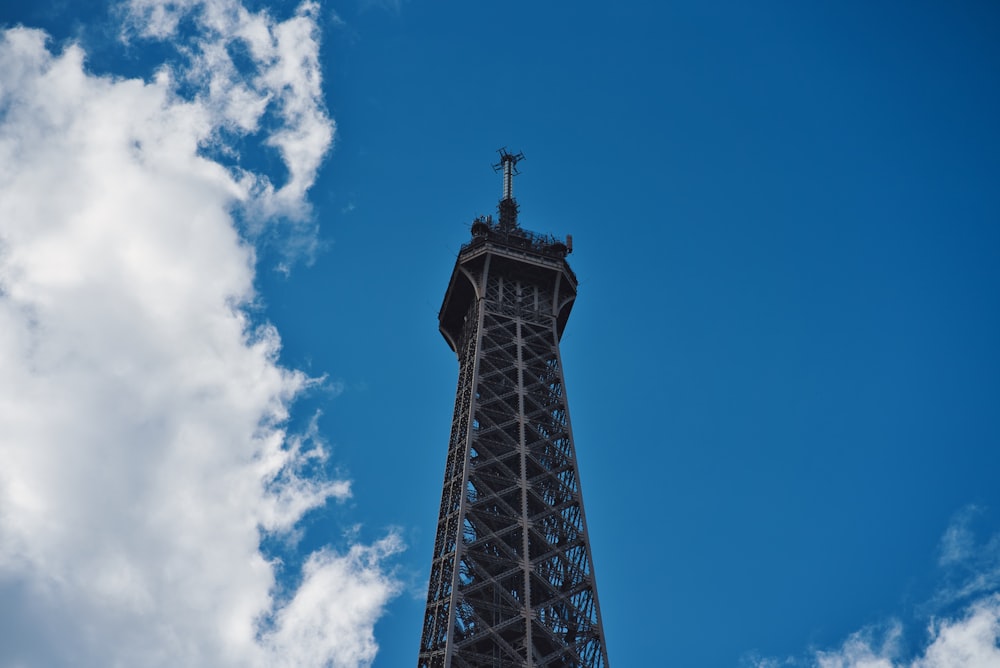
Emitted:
pixel 508 205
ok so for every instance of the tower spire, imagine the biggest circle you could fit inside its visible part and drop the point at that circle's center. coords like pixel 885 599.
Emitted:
pixel 508 205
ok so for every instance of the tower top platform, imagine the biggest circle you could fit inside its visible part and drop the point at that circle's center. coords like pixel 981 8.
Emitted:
pixel 506 248
pixel 517 241
pixel 514 252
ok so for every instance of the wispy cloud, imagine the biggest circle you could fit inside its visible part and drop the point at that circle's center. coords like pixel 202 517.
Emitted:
pixel 971 566
pixel 958 542
pixel 868 648
pixel 250 73
pixel 966 638
pixel 394 7
pixel 142 411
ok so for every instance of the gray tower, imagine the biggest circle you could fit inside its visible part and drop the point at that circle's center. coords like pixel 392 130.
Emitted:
pixel 512 580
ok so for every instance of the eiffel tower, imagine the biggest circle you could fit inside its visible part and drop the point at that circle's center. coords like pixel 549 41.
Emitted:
pixel 512 578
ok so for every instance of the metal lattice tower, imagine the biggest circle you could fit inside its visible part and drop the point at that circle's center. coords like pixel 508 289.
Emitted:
pixel 512 579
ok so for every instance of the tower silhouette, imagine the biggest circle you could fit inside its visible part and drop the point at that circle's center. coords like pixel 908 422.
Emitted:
pixel 512 579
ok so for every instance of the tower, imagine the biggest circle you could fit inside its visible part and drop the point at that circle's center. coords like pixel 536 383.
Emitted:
pixel 512 579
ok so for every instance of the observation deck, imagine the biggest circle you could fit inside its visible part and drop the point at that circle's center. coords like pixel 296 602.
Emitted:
pixel 521 252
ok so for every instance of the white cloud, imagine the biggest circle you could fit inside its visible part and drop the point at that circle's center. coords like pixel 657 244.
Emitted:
pixel 281 76
pixel 969 638
pixel 969 641
pixel 861 650
pixel 340 596
pixel 142 413
pixel 958 541
pixel 972 567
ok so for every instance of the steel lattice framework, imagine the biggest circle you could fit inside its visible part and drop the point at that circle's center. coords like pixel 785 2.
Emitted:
pixel 512 580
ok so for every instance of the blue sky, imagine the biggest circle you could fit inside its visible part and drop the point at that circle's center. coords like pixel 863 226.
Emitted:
pixel 783 367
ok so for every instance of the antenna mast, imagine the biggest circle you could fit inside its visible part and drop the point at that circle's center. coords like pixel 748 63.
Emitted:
pixel 508 205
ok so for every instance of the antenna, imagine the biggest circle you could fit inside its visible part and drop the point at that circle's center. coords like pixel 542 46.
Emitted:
pixel 508 205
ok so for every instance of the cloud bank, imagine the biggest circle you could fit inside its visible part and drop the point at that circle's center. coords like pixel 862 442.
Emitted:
pixel 142 411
